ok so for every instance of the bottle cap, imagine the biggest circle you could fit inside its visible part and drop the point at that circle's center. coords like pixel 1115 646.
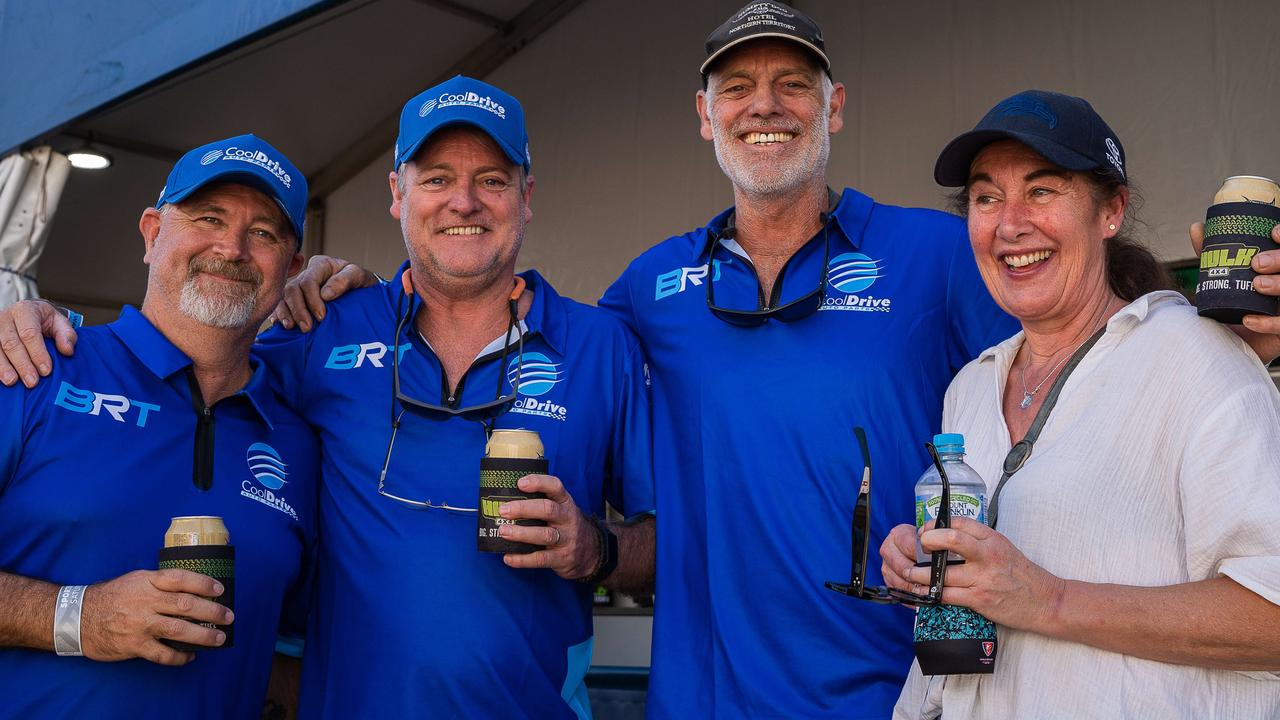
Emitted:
pixel 949 442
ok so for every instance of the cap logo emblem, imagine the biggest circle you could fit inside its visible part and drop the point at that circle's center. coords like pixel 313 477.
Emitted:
pixel 427 107
pixel 262 160
pixel 1023 105
pixel 1113 156
pixel 467 99
pixel 764 8
pixel 210 156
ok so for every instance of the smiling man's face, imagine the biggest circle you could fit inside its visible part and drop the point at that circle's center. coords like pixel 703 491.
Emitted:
pixel 462 206
pixel 770 111
pixel 220 257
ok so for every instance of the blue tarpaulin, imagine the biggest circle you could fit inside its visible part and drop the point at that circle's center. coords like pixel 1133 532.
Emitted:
pixel 61 59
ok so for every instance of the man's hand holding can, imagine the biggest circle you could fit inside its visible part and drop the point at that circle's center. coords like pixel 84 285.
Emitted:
pixel 125 618
pixel 568 541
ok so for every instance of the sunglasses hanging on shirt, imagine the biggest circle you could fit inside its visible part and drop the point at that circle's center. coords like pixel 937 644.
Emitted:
pixel 484 413
pixel 798 309
pixel 857 586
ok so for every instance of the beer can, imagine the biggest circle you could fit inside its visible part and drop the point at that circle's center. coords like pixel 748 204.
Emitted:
pixel 202 544
pixel 1248 188
pixel 1237 227
pixel 196 530
pixel 509 455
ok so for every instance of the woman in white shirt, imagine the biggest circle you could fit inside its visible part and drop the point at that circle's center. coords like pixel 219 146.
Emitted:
pixel 1135 571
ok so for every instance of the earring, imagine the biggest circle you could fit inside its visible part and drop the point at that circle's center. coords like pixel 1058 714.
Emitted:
pixel 1112 226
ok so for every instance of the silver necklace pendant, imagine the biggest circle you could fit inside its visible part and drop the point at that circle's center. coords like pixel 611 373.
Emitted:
pixel 1026 400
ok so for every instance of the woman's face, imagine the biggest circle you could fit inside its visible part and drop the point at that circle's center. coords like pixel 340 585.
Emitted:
pixel 1038 234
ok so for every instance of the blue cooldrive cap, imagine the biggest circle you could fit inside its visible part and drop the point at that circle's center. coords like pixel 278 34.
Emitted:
pixel 245 160
pixel 464 101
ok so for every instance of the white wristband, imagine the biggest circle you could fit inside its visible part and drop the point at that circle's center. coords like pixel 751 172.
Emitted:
pixel 66 620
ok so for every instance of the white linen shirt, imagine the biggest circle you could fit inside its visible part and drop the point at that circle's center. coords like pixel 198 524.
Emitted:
pixel 1159 465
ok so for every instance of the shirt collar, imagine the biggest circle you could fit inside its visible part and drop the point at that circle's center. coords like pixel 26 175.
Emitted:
pixel 546 316
pixel 148 344
pixel 163 359
pixel 1126 319
pixel 850 217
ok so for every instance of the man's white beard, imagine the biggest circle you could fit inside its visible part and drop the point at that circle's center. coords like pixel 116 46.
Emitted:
pixel 215 309
pixel 774 179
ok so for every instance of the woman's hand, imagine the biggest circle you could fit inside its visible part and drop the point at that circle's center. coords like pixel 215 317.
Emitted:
pixel 898 557
pixel 996 579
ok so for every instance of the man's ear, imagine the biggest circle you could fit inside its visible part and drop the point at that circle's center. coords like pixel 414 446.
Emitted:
pixel 835 109
pixel 528 195
pixel 149 225
pixel 704 115
pixel 393 181
pixel 296 264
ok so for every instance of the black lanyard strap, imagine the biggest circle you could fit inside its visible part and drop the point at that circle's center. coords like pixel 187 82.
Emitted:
pixel 1020 453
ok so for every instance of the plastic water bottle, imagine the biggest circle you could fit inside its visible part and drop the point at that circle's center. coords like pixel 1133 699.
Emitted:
pixel 968 491
pixel 948 639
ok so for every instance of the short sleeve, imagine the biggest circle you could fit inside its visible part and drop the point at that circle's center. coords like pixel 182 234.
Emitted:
pixel 284 354
pixel 1230 488
pixel 13 402
pixel 630 482
pixel 619 302
pixel 297 603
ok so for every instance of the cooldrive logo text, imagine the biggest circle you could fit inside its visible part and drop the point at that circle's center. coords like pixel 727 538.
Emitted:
pixel 678 280
pixel 538 375
pixel 270 470
pixel 847 276
pixel 118 407
pixel 469 99
pixel 350 357
pixel 253 157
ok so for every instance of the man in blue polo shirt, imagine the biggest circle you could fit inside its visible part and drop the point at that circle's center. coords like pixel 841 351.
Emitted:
pixel 403 381
pixel 162 414
pixel 824 311
pixel 772 332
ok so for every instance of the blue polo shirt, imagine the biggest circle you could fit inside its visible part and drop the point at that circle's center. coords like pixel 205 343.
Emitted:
pixel 94 462
pixel 411 619
pixel 756 464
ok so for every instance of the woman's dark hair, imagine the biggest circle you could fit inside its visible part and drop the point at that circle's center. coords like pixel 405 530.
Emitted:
pixel 1132 269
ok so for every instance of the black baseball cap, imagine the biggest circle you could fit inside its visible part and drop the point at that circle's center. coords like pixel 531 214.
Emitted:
pixel 759 20
pixel 1064 129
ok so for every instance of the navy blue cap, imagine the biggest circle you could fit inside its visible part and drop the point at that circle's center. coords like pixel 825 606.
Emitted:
pixel 464 101
pixel 245 160
pixel 1062 128
pixel 760 20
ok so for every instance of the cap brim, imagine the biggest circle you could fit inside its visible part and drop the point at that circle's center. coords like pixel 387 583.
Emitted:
pixel 514 155
pixel 240 176
pixel 955 160
pixel 826 63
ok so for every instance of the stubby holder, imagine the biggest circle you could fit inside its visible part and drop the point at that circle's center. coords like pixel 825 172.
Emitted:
pixel 948 639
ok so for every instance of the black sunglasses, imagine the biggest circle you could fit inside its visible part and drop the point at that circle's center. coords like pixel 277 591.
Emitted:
pixel 798 309
pixel 484 413
pixel 862 538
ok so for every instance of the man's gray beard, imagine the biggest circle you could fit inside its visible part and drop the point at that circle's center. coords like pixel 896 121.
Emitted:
pixel 216 309
pixel 774 180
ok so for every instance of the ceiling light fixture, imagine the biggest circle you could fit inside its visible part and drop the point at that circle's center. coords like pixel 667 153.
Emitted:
pixel 89 157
